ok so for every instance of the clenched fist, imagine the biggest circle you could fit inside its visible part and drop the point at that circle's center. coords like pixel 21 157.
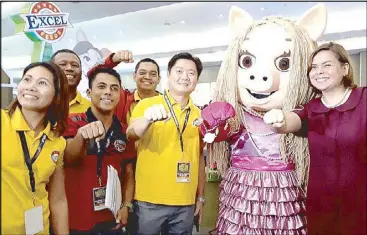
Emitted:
pixel 123 56
pixel 275 118
pixel 92 130
pixel 156 113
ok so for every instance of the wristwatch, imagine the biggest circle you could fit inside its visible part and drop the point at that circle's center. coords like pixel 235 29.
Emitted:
pixel 129 205
pixel 201 199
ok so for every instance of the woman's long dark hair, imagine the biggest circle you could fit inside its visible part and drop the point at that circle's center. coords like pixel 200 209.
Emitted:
pixel 58 111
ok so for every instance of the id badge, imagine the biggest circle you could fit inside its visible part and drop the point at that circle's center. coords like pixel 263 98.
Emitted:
pixel 34 220
pixel 99 197
pixel 183 172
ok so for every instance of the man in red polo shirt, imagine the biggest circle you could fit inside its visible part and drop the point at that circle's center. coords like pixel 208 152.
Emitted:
pixel 146 75
pixel 95 140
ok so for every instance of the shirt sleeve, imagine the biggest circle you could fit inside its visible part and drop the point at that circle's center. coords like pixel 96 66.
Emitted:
pixel 60 160
pixel 302 112
pixel 109 62
pixel 130 151
pixel 120 108
pixel 73 127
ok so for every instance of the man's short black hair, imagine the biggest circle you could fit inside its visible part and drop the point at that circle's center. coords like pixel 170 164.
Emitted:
pixel 146 60
pixel 186 56
pixel 64 51
pixel 93 74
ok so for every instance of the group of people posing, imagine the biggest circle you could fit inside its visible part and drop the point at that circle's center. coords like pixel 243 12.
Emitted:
pixel 57 146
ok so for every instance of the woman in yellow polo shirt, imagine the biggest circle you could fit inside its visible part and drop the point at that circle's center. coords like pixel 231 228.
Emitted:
pixel 32 153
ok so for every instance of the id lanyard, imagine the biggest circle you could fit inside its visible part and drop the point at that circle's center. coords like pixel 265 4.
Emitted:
pixel 29 161
pixel 100 153
pixel 176 121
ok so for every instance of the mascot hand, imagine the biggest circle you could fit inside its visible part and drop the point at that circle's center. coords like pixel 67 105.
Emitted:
pixel 123 56
pixel 275 118
pixel 215 117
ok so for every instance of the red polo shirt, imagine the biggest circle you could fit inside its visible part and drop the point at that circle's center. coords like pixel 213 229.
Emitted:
pixel 336 195
pixel 81 179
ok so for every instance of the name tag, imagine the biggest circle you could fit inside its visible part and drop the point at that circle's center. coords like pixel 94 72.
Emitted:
pixel 183 172
pixel 99 197
pixel 34 220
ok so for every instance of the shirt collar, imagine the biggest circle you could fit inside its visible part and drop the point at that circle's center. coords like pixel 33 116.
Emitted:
pixel 318 107
pixel 91 118
pixel 78 99
pixel 19 124
pixel 173 101
pixel 137 97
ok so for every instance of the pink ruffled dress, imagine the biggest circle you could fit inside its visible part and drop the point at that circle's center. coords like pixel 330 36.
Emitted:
pixel 259 193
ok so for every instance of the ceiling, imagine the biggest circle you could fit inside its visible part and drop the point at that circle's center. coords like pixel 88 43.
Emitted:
pixel 159 29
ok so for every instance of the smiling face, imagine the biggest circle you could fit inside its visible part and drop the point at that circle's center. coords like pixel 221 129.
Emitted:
pixel 263 67
pixel 105 92
pixel 146 76
pixel 326 71
pixel 36 90
pixel 183 77
pixel 70 63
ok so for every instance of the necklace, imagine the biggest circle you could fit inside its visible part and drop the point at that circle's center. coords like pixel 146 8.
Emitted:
pixel 345 96
pixel 259 114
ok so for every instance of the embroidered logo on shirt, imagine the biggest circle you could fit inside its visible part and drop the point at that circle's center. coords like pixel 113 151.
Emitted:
pixel 120 145
pixel 55 156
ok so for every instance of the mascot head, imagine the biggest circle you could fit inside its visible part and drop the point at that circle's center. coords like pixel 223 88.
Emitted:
pixel 265 67
pixel 266 62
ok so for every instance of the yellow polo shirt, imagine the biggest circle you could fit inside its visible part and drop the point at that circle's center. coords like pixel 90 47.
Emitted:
pixel 79 104
pixel 159 152
pixel 16 193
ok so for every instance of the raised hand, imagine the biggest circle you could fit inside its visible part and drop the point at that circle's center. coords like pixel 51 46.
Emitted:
pixel 156 113
pixel 123 56
pixel 93 130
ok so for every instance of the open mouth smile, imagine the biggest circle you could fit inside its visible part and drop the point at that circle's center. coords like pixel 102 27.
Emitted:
pixel 260 95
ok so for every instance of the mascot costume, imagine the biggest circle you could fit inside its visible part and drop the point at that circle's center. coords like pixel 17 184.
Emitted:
pixel 264 174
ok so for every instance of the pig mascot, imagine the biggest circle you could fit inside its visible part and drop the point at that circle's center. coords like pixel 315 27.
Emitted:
pixel 264 174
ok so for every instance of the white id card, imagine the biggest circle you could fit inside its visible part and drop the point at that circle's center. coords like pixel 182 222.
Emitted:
pixel 183 172
pixel 34 220
pixel 99 197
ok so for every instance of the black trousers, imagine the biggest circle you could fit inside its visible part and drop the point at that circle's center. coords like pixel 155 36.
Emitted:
pixel 104 228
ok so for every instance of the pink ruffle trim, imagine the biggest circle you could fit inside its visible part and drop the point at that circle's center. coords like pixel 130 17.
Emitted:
pixel 226 227
pixel 267 179
pixel 261 194
pixel 254 202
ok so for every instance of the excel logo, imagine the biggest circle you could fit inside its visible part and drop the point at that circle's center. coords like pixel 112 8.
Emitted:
pixel 47 21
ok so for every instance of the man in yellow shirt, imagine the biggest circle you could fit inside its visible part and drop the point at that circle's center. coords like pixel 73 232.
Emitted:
pixel 70 62
pixel 170 175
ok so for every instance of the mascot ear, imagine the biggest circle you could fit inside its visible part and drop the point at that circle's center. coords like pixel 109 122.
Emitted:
pixel 314 21
pixel 81 36
pixel 239 20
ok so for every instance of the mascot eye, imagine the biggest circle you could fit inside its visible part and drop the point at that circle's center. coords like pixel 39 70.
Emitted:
pixel 246 61
pixel 282 64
